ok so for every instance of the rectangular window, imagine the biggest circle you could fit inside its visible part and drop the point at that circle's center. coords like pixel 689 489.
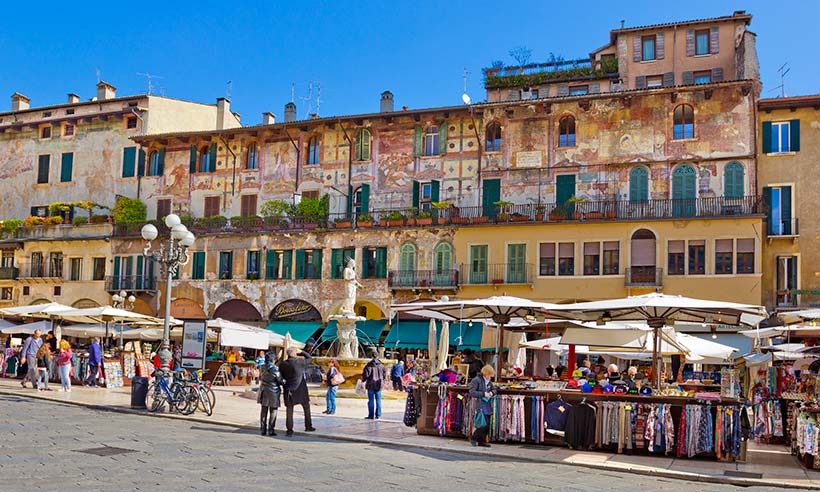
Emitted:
pixel 703 77
pixel 248 206
pixel 612 257
pixel 339 258
pixel 75 269
pixel 676 258
pixel 131 122
pixel 37 264
pixel 198 265
pixel 779 214
pixel 58 290
pixel 6 293
pixel 425 195
pixel 648 48
pixel 45 132
pixel 592 258
pixel 566 259
pixel 478 264
pixel 129 162
pixel 98 265
pixel 516 263
pixel 66 167
pixel 781 136
pixel 211 206
pixel 309 264
pixel 41 211
pixel 43 162
pixel 312 194
pixel 745 256
pixel 654 81
pixel 277 264
pixel 225 265
pixel 163 208
pixel 697 257
pixel 546 259
pixel 702 42
pixel 374 262
pixel 8 259
pixel 578 90
pixel 724 251
pixel 786 280
pixel 26 290
pixel 68 130
pixel 252 265
pixel 55 265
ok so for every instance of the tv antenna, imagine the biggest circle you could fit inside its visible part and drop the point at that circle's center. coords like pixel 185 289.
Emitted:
pixel 98 75
pixel 783 70
pixel 292 90
pixel 150 78
pixel 466 97
pixel 228 90
pixel 309 100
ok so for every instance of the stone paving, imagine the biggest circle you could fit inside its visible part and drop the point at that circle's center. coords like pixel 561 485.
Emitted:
pixel 235 420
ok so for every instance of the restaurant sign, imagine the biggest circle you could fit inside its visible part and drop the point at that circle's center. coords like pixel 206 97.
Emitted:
pixel 295 310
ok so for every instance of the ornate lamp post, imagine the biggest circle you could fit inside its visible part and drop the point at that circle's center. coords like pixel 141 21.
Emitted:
pixel 123 301
pixel 170 256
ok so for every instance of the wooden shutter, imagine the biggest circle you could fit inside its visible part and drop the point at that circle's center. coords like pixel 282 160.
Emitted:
pixel 349 204
pixel 688 78
pixel 642 252
pixel 248 205
pixel 211 206
pixel 416 186
pixel 713 40
pixel 417 141
pixel 786 209
pixel 491 193
pixel 638 185
pixel 300 264
pixel 42 168
pixel 767 202
pixel 669 79
pixel 794 132
pixel 212 158
pixel 767 137
pixel 141 163
pixel 636 49
pixel 192 160
pixel 129 159
pixel 336 263
pixel 717 74
pixel 640 82
pixel 66 167
pixel 287 260
pixel 435 187
pixel 317 263
pixel 690 42
pixel 381 262
pixel 563 91
pixel 364 205
pixel 270 264
pixel 116 278
pixel 659 48
pixel 162 161
pixel 442 138
pixel 140 273
pixel 198 271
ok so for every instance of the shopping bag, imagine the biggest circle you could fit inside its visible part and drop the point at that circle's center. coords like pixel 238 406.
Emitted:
pixel 361 390
pixel 479 420
pixel 337 379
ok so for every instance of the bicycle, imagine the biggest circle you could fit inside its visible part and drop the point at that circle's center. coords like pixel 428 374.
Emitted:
pixel 179 396
pixel 206 397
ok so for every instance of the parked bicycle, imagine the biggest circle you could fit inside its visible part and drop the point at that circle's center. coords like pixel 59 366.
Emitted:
pixel 179 396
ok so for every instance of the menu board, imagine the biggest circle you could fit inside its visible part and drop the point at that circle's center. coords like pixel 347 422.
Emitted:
pixel 193 345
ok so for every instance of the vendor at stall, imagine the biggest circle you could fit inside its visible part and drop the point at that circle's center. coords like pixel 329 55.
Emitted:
pixel 629 379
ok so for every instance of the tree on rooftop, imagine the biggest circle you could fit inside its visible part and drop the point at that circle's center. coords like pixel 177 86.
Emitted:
pixel 521 54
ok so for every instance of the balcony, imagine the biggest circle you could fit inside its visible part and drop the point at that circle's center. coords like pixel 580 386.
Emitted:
pixel 130 283
pixel 499 274
pixel 423 279
pixel 64 231
pixel 8 273
pixel 785 228
pixel 644 276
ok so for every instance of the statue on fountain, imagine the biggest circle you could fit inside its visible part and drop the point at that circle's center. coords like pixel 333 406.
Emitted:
pixel 346 320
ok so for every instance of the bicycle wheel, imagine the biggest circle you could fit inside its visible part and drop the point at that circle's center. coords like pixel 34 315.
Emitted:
pixel 211 396
pixel 185 400
pixel 154 398
pixel 207 394
pixel 204 403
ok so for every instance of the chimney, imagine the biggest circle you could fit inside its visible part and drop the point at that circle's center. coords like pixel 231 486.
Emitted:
pixel 290 112
pixel 73 98
pixel 268 118
pixel 19 102
pixel 105 91
pixel 387 102
pixel 223 112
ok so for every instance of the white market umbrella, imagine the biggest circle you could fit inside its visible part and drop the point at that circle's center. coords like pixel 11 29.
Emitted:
pixel 794 317
pixel 46 310
pixel 86 330
pixel 104 314
pixel 517 355
pixel 27 329
pixel 4 323
pixel 443 346
pixel 432 346
pixel 233 334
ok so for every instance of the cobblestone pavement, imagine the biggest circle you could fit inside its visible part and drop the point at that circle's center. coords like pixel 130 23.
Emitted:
pixel 50 446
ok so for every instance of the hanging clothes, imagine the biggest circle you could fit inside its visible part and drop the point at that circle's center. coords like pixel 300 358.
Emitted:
pixel 580 427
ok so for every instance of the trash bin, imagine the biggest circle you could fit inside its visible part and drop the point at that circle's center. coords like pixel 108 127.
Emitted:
pixel 139 390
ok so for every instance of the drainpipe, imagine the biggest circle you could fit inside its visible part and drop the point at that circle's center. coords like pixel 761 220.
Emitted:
pixel 478 143
pixel 349 169
pixel 233 178
pixel 298 159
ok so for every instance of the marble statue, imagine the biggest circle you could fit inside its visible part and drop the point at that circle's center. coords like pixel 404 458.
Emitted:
pixel 346 319
pixel 352 284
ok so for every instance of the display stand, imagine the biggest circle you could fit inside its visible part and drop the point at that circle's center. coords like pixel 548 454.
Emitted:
pixel 243 375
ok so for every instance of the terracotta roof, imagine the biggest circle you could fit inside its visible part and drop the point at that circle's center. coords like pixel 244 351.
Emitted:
pixel 740 15
pixel 812 100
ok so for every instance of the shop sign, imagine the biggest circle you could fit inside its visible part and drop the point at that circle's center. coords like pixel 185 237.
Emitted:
pixel 193 344
pixel 295 310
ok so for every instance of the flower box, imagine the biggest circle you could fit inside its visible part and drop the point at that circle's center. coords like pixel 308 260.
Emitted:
pixel 480 219
pixel 343 224
pixel 519 218
pixel 424 221
pixel 459 220
pixel 365 224
pixel 594 215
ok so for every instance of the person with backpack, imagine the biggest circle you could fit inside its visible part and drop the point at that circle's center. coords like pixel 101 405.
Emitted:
pixel 373 376
pixel 396 373
pixel 333 379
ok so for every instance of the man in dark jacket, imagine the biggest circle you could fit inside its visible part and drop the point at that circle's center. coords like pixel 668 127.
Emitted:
pixel 373 376
pixel 94 362
pixel 474 363
pixel 296 390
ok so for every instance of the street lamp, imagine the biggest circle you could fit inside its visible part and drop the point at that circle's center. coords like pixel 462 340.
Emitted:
pixel 170 256
pixel 122 301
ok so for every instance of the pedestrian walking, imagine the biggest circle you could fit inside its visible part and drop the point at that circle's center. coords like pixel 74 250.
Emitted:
pixel 43 365
pixel 333 379
pixel 296 390
pixel 29 354
pixel 64 360
pixel 482 390
pixel 94 362
pixel 396 373
pixel 373 376
pixel 270 391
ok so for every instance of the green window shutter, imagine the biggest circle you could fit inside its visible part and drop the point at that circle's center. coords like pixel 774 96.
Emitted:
pixel 442 138
pixel 192 160
pixel 767 137
pixel 335 263
pixel 198 270
pixel 129 159
pixel 381 262
pixel 365 150
pixel 141 163
pixel 794 132
pixel 416 187
pixel 435 187
pixel 287 261
pixel 212 158
pixel 490 194
pixel 733 178
pixel 66 167
pixel 129 266
pixel 638 185
pixel 357 148
pixel 417 141
pixel 162 161
pixel 349 200
pixel 365 204
pixel 300 264
pixel 317 263
pixel 117 260
pixel 140 274
pixel 248 263
pixel 270 264
pixel 767 202
pixel 786 209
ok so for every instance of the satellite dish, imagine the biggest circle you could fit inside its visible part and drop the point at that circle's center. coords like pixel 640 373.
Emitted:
pixel 466 98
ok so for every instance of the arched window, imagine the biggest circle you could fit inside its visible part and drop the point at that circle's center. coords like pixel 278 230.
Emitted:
pixel 442 264
pixel 431 141
pixel 313 151
pixel 407 265
pixel 684 180
pixel 683 122
pixel 566 132
pixel 733 180
pixel 252 157
pixel 362 151
pixel 642 265
pixel 154 168
pixel 639 185
pixel 493 138
pixel 205 160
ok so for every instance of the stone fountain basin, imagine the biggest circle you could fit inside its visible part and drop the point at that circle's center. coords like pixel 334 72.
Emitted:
pixel 351 368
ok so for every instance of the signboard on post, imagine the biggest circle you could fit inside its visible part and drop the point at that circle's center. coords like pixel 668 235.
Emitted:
pixel 193 344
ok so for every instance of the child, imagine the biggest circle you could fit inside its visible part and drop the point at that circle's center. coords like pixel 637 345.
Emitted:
pixel 43 363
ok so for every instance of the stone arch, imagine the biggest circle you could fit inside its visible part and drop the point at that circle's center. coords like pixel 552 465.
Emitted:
pixel 85 303
pixel 237 310
pixel 184 308
pixel 41 300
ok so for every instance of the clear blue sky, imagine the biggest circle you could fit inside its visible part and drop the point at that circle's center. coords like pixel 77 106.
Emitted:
pixel 357 49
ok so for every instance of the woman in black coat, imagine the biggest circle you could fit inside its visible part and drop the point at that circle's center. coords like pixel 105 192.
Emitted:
pixel 270 391
pixel 482 390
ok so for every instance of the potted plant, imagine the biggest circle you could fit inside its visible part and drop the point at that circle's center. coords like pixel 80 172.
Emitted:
pixel 395 219
pixel 557 214
pixel 11 226
pixel 210 224
pixel 79 220
pixel 425 217
pixel 253 275
pixel 343 222
pixel 503 210
pixel 33 221
pixel 480 219
pixel 98 219
pixel 310 212
pixel 576 213
pixel 54 220
pixel 593 214
pixel 517 217
pixel 60 209
pixel 246 223
pixel 364 220
pixel 539 212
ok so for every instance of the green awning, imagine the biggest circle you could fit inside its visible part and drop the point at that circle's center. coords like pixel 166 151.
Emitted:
pixel 413 335
pixel 299 330
pixel 369 331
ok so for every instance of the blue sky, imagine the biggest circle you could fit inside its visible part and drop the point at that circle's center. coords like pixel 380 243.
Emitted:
pixel 418 49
